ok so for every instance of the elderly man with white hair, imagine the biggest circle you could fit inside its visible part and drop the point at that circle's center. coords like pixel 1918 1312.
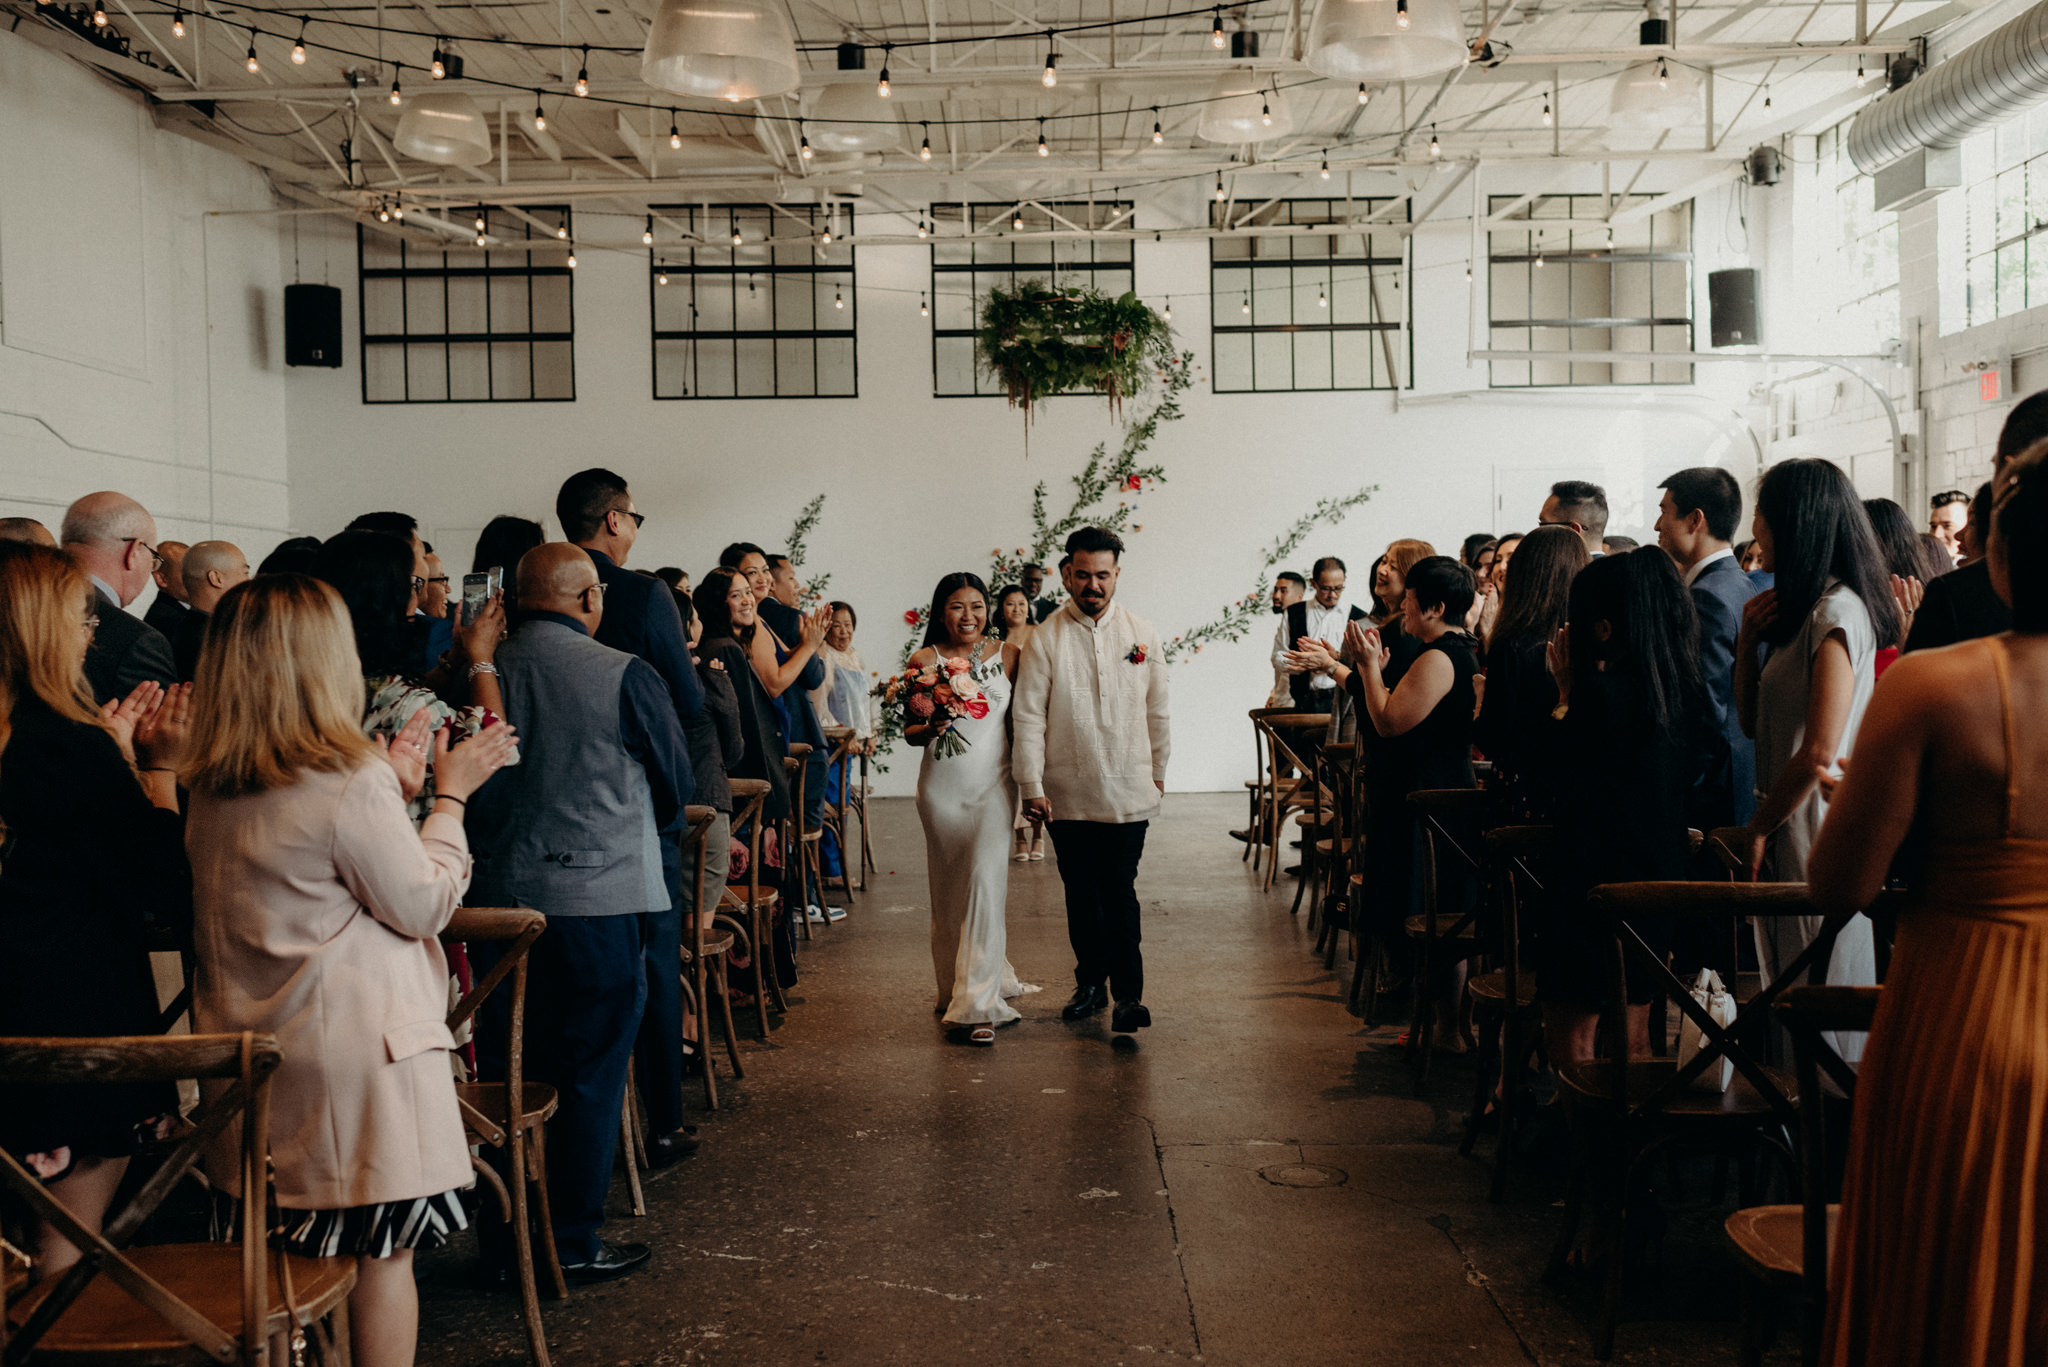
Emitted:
pixel 113 539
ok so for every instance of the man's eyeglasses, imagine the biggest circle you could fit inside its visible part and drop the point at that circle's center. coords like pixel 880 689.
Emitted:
pixel 598 589
pixel 438 579
pixel 157 563
pixel 639 519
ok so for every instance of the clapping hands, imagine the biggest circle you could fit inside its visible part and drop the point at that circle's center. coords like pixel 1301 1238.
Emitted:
pixel 1363 643
pixel 151 724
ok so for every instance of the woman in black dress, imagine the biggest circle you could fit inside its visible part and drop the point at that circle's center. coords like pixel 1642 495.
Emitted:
pixel 94 877
pixel 1519 692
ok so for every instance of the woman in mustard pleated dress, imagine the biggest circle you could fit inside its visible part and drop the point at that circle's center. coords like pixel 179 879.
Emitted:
pixel 1941 1256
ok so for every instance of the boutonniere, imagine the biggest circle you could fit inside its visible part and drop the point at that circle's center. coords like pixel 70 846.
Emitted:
pixel 1137 655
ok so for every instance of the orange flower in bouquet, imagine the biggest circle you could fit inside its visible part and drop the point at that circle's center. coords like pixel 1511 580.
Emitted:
pixel 939 694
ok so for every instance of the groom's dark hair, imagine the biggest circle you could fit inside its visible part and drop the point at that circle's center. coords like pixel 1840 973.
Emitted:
pixel 1092 540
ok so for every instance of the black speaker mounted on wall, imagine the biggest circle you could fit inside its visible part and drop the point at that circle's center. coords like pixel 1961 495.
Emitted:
pixel 1731 302
pixel 312 325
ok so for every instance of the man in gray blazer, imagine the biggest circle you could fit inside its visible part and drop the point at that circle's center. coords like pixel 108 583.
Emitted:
pixel 1695 523
pixel 113 539
pixel 575 831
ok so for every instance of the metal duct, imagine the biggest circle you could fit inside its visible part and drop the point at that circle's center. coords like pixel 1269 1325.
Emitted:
pixel 2000 75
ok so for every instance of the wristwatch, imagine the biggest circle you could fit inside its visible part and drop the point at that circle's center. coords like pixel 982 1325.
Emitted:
pixel 483 667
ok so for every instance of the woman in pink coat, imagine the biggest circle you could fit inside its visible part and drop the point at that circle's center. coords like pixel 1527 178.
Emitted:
pixel 316 904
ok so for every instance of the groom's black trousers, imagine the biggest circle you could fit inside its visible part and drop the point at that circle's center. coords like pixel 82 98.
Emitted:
pixel 1099 865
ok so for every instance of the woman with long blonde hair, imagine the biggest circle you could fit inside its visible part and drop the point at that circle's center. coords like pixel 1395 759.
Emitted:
pixel 76 783
pixel 316 906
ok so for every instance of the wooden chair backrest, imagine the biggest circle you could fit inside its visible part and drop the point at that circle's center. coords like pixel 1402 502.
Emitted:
pixel 247 1062
pixel 696 836
pixel 516 928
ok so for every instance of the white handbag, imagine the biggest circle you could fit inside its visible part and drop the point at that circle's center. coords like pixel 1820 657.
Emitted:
pixel 1715 999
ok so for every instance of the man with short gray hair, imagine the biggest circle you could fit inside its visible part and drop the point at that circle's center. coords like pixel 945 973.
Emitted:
pixel 113 539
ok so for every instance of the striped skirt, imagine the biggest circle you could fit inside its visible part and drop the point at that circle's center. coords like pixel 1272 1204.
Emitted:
pixel 375 1231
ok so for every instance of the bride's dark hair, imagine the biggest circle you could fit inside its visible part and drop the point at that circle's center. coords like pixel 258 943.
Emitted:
pixel 935 627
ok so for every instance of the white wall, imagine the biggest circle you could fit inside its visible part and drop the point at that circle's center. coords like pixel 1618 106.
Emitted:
pixel 140 343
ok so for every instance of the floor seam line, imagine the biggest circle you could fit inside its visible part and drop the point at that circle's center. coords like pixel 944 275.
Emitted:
pixel 1492 1299
pixel 1180 1261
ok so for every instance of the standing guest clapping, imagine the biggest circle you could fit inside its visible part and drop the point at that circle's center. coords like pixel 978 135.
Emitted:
pixel 112 537
pixel 77 781
pixel 1520 696
pixel 317 906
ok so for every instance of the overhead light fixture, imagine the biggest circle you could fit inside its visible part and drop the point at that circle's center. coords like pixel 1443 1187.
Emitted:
pixel 1246 307
pixel 1363 96
pixel 437 66
pixel 661 277
pixel 99 14
pixel 572 260
pixel 1548 119
pixel 1167 312
pixel 1663 76
pixel 446 129
pixel 736 238
pixel 1436 149
pixel 675 138
pixel 843 118
pixel 251 63
pixel 882 85
pixel 398 210
pixel 837 302
pixel 178 24
pixel 1322 300
pixel 1216 32
pixel 1051 76
pixel 479 239
pixel 299 47
pixel 922 231
pixel 728 50
pixel 1652 93
pixel 397 95
pixel 479 220
pixel 1043 150
pixel 540 115
pixel 647 234
pixel 826 236
pixel 1266 113
pixel 562 233
pixel 1158 134
pixel 1017 220
pixel 924 310
pixel 803 142
pixel 1219 189
pixel 1383 41
pixel 383 212
pixel 583 76
pixel 924 150
pixel 1240 110
pixel 1860 77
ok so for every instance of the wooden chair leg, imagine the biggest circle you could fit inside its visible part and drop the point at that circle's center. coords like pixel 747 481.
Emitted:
pixel 522 1246
pixel 537 1173
pixel 344 1348
pixel 701 977
pixel 628 1143
pixel 732 1035
pixel 1482 1082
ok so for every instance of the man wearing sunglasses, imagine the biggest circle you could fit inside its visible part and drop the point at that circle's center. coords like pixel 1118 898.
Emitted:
pixel 113 539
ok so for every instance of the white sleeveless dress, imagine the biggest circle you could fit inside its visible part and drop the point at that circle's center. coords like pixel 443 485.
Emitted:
pixel 967 802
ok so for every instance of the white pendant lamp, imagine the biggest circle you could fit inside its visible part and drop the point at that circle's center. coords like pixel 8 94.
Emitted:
pixel 848 117
pixel 721 50
pixel 447 130
pixel 1385 40
pixel 1240 108
pixel 1658 93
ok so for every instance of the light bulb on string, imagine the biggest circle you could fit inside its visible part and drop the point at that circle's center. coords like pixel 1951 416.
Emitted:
pixel 826 236
pixel 882 85
pixel 924 310
pixel 1363 95
pixel 572 260
pixel 1401 14
pixel 837 302
pixel 383 212
pixel 479 239
pixel 1219 189
pixel 647 233
pixel 1548 118
pixel 1167 312
pixel 803 143
pixel 99 15
pixel 299 47
pixel 397 95
pixel 675 137
pixel 1017 221
pixel 1051 76
pixel 582 86
pixel 1266 112
pixel 562 233
pixel 1246 307
pixel 1663 76
pixel 661 277
pixel 1468 275
pixel 1436 149
pixel 1158 133
pixel 924 150
pixel 178 24
pixel 1216 30
pixel 251 62
pixel 1539 260
pixel 1767 97
pixel 1326 166
pixel 398 210
pixel 1043 150
pixel 1860 77
pixel 540 115
pixel 437 66
pixel 1322 300
pixel 479 220
pixel 736 240
pixel 922 231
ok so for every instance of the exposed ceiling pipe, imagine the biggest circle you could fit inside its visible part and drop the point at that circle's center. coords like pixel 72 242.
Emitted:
pixel 2001 75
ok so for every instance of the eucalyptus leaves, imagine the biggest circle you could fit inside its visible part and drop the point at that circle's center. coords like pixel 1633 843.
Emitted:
pixel 1040 342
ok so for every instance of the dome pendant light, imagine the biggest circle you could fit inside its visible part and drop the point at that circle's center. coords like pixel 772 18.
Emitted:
pixel 1652 94
pixel 842 116
pixel 1379 42
pixel 728 50
pixel 444 129
pixel 1239 108
pixel 583 76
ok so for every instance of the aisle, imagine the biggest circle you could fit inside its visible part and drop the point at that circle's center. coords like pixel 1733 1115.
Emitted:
pixel 1252 1183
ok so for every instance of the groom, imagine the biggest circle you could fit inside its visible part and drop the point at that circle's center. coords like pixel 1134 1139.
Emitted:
pixel 1089 756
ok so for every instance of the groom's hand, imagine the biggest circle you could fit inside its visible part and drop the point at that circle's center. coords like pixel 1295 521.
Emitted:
pixel 1038 809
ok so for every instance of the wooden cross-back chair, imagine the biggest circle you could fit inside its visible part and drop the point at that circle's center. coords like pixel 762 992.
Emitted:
pixel 798 849
pixel 750 915
pixel 844 743
pixel 1785 1247
pixel 1258 789
pixel 1337 852
pixel 704 958
pixel 1449 819
pixel 511 1115
pixel 1641 1105
pixel 210 1302
pixel 1293 789
pixel 1509 993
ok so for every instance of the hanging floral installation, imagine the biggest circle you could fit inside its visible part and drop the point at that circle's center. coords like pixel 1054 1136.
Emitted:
pixel 1041 341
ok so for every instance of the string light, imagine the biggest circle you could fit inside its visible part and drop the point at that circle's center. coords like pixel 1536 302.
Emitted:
pixel 1322 300
pixel 572 260
pixel 1548 119
pixel 922 231
pixel 582 86
pixel 1401 14
pixel 1326 166
pixel 397 95
pixel 251 63
pixel 438 67
pixel 562 233
pixel 299 47
pixel 479 239
pixel 398 210
pixel 1663 76
pixel 924 151
pixel 1767 97
pixel 540 115
pixel 1363 95
pixel 1468 275
pixel 837 302
pixel 1043 150
pixel 661 277
pixel 1246 307
pixel 1158 134
pixel 1216 30
pixel 675 139
pixel 1265 113
pixel 924 310
pixel 1860 78
pixel 736 240
pixel 647 234
pixel 1051 77
pixel 1435 148
pixel 1219 189
pixel 479 220
pixel 1539 260
pixel 803 143
pixel 99 14
pixel 882 86
pixel 1017 220
pixel 178 24
pixel 1167 312
pixel 383 212
pixel 826 236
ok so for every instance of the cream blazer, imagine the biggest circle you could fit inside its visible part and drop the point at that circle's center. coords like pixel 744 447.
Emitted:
pixel 1090 722
pixel 315 911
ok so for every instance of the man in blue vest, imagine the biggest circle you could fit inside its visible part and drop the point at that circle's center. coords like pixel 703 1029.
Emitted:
pixel 576 830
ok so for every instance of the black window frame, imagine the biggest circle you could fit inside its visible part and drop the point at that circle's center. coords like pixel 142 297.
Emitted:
pixel 1579 255
pixel 1039 217
pixel 504 224
pixel 712 226
pixel 1297 211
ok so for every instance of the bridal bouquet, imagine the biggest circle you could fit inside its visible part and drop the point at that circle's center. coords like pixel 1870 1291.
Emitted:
pixel 946 689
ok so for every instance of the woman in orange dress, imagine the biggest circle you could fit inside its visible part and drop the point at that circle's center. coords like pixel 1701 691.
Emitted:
pixel 1942 1252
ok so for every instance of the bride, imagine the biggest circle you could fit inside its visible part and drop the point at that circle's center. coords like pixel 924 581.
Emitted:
pixel 966 802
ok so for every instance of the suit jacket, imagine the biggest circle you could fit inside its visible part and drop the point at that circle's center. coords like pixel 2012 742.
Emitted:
pixel 185 645
pixel 1299 686
pixel 1727 795
pixel 640 618
pixel 125 651
pixel 166 613
pixel 1960 606
pixel 317 906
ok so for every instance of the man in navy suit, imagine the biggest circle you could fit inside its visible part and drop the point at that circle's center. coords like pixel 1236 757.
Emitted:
pixel 1695 522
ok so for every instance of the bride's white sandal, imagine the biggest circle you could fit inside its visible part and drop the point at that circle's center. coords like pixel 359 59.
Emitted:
pixel 982 1036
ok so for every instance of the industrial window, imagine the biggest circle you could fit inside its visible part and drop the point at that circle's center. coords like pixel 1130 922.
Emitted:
pixel 1586 273
pixel 445 321
pixel 979 246
pixel 768 316
pixel 1859 256
pixel 2005 219
pixel 1319 304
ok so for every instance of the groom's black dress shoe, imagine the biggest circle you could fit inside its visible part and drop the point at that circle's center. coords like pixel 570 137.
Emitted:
pixel 1085 1002
pixel 1129 1016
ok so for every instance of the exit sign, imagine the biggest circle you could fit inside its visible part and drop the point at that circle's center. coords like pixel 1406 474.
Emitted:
pixel 1990 386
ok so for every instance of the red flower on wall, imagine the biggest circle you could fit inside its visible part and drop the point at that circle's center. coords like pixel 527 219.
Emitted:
pixel 910 618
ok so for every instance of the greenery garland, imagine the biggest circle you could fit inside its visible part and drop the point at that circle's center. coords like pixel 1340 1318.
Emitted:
pixel 1236 619
pixel 1040 341
pixel 813 591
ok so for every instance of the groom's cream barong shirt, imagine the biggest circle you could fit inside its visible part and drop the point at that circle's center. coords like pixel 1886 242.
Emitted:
pixel 1091 729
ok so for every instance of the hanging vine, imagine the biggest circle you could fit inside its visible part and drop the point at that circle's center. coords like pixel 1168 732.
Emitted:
pixel 797 546
pixel 1236 619
pixel 1040 341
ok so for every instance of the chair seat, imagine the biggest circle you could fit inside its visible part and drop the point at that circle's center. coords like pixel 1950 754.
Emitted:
pixel 1594 1082
pixel 1494 987
pixel 1345 843
pixel 537 1100
pixel 735 900
pixel 106 1323
pixel 1770 1241
pixel 714 945
pixel 1418 928
pixel 1254 784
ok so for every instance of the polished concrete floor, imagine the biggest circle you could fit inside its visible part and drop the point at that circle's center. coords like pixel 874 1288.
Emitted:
pixel 1251 1181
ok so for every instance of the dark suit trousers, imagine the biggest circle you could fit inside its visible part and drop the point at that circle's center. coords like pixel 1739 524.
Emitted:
pixel 586 988
pixel 1099 865
pixel 658 1054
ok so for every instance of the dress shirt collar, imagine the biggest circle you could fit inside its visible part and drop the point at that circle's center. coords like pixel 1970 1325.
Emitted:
pixel 1343 608
pixel 560 619
pixel 1693 574
pixel 106 592
pixel 1092 623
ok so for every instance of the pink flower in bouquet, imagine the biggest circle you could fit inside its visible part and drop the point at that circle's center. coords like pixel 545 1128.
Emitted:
pixel 943 695
pixel 921 705
pixel 956 666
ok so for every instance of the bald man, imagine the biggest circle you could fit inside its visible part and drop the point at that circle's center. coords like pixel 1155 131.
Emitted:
pixel 211 568
pixel 575 830
pixel 113 539
pixel 168 610
pixel 26 529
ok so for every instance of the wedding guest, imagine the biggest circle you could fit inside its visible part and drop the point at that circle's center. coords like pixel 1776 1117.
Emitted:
pixel 26 529
pixel 499 545
pixel 1504 551
pixel 1013 622
pixel 783 585
pixel 1520 692
pixel 1323 618
pixel 1468 553
pixel 1749 557
pixel 1615 543
pixel 210 569
pixel 1948 512
pixel 317 905
pixel 1043 605
pixel 603 771
pixel 75 924
pixel 1823 621
pixel 1290 588
pixel 1946 1142
pixel 292 556
pixel 851 702
pixel 1580 505
pixel 168 608
pixel 1401 556
pixel 1910 567
pixel 717 745
pixel 1696 519
pixel 111 537
pixel 1964 606
pixel 434 598
pixel 674 577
